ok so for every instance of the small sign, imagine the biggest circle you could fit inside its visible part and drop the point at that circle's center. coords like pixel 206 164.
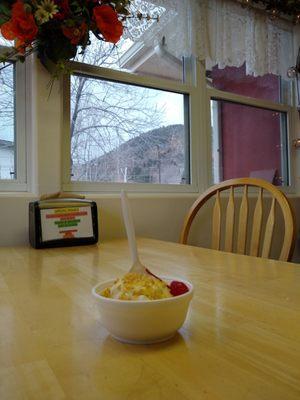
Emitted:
pixel 66 223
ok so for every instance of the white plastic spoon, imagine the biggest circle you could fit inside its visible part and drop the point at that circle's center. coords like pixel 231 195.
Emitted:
pixel 137 266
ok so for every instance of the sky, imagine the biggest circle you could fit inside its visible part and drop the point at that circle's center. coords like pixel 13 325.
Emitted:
pixel 173 105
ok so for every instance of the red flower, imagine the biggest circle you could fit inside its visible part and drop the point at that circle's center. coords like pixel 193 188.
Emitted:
pixel 108 23
pixel 75 34
pixel 21 26
pixel 64 7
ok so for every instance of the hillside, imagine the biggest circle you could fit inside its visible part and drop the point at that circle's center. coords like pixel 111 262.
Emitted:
pixel 156 156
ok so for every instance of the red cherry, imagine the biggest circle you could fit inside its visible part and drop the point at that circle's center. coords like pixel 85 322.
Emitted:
pixel 177 288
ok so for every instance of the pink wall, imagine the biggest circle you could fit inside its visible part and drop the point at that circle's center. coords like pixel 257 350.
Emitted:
pixel 250 136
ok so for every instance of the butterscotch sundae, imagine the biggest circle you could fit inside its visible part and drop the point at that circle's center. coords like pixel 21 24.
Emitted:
pixel 133 286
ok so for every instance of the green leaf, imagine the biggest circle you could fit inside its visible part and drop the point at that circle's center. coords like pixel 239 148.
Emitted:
pixel 5 13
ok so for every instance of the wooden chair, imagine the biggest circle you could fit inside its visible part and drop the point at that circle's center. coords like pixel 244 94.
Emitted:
pixel 277 199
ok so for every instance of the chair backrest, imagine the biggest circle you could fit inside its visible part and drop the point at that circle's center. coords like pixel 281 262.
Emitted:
pixel 277 199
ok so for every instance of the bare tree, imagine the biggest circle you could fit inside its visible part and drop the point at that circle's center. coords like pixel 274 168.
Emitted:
pixel 6 100
pixel 106 114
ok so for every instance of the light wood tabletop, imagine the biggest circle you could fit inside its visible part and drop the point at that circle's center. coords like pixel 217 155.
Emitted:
pixel 241 339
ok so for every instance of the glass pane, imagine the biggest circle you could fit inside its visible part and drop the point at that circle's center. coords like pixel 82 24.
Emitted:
pixel 248 142
pixel 104 54
pixel 235 80
pixel 133 57
pixel 7 123
pixel 127 133
pixel 147 47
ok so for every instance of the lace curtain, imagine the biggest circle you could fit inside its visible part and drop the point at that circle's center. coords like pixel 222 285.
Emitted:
pixel 220 31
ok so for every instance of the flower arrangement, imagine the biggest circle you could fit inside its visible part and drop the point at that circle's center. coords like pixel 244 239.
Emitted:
pixel 56 29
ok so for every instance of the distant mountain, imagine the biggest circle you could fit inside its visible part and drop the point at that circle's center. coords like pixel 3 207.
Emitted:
pixel 156 156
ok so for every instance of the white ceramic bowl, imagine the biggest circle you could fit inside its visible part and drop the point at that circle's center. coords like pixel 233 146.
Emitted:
pixel 143 322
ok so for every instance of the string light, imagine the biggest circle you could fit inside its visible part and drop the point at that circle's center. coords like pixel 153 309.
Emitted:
pixel 246 3
pixel 275 8
pixel 274 13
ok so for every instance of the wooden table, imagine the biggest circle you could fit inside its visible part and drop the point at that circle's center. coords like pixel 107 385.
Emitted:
pixel 240 341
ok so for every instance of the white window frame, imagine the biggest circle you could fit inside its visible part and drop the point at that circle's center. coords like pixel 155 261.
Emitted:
pixel 20 183
pixel 200 96
pixel 197 110
pixel 216 94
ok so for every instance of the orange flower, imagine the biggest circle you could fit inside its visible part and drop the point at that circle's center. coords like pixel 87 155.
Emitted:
pixel 108 23
pixel 76 33
pixel 21 26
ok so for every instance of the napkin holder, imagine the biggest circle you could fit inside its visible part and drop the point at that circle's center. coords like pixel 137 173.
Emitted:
pixel 57 221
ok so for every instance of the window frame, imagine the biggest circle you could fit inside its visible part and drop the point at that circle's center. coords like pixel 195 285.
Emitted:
pixel 200 96
pixel 289 110
pixel 20 183
pixel 196 99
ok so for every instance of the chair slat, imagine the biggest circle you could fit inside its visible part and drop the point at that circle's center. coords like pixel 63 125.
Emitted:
pixel 243 221
pixel 269 231
pixel 216 223
pixel 257 224
pixel 229 229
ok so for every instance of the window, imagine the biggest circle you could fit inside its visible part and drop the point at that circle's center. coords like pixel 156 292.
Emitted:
pixel 117 125
pixel 137 58
pixel 127 133
pixel 12 126
pixel 249 141
pixel 123 128
pixel 143 49
pixel 250 125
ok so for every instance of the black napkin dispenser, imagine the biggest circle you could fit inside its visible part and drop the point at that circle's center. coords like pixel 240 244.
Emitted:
pixel 62 222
